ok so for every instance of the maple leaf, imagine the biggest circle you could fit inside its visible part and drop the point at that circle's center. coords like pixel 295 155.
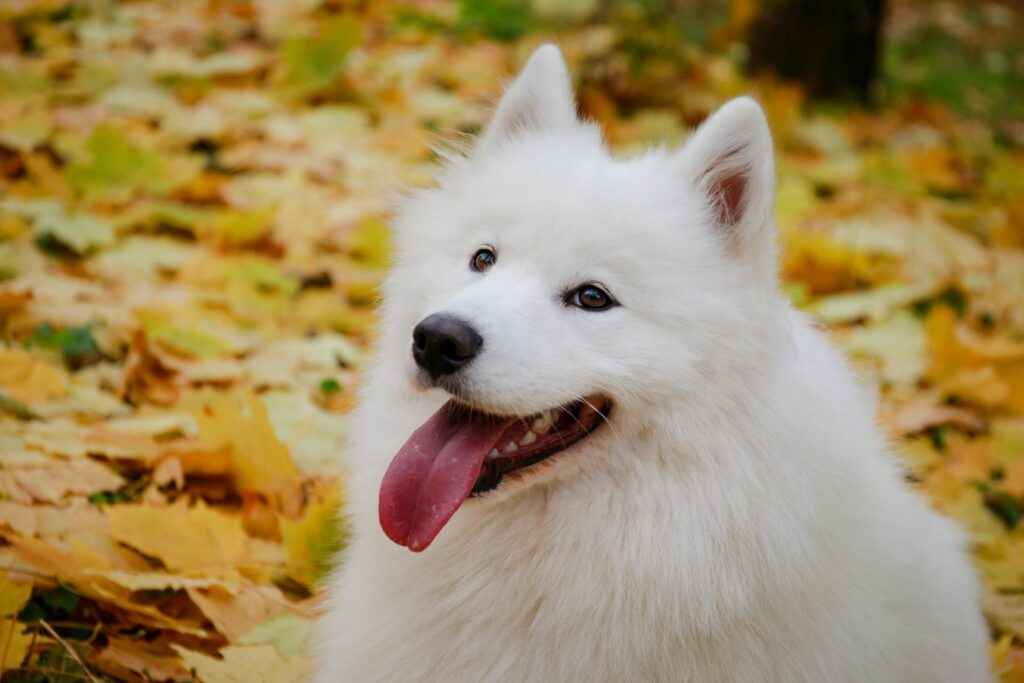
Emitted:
pixel 81 233
pixel 314 540
pixel 312 64
pixel 184 538
pixel 115 167
pixel 259 461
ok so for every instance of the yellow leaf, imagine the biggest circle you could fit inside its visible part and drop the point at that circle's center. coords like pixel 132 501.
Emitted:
pixel 1001 563
pixel 238 228
pixel 244 664
pixel 946 353
pixel 14 644
pixel 916 417
pixel 1007 611
pixel 13 595
pixel 977 386
pixel 934 166
pixel 77 567
pixel 371 242
pixel 184 538
pixel 1008 453
pixel 28 378
pixel 1013 375
pixel 313 541
pixel 238 423
pixel 181 339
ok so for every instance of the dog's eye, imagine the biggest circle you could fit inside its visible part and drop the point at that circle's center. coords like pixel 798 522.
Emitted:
pixel 483 259
pixel 590 297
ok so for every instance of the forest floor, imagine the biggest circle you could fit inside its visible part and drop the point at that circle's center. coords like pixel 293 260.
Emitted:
pixel 193 207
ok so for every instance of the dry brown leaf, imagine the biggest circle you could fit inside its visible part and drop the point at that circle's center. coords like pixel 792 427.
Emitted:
pixel 914 418
pixel 49 521
pixel 52 483
pixel 236 614
pixel 140 660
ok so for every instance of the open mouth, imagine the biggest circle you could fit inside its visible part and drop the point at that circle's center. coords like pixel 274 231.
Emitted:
pixel 530 440
pixel 460 452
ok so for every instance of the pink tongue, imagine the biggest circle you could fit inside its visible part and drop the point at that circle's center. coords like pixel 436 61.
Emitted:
pixel 434 472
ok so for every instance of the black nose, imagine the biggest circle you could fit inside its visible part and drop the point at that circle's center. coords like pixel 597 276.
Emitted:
pixel 441 345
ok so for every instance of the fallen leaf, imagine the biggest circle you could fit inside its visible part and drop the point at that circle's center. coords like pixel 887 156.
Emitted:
pixel 28 378
pixel 186 539
pixel 235 614
pixel 244 664
pixel 121 657
pixel 82 233
pixel 288 633
pixel 314 540
pixel 52 483
pixel 312 64
pixel 260 462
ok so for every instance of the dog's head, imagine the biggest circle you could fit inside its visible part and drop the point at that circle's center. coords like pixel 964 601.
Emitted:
pixel 550 289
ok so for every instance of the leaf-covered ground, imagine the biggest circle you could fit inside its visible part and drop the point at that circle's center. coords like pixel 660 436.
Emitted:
pixel 193 196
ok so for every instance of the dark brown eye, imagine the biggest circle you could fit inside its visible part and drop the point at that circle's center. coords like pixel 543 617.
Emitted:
pixel 483 259
pixel 591 298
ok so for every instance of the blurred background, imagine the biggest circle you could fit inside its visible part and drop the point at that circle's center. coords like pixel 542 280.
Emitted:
pixel 194 199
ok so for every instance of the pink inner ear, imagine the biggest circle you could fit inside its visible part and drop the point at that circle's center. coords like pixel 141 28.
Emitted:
pixel 728 193
pixel 726 185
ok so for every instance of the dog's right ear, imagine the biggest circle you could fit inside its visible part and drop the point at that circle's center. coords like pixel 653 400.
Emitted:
pixel 729 161
pixel 540 98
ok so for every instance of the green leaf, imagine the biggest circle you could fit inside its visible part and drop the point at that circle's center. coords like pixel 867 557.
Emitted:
pixel 314 540
pixel 76 344
pixel 185 341
pixel 371 242
pixel 330 386
pixel 256 274
pixel 312 64
pixel 238 228
pixel 116 168
pixel 288 633
pixel 501 19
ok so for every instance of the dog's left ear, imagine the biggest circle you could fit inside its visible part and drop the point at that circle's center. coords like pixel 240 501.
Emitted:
pixel 540 98
pixel 729 161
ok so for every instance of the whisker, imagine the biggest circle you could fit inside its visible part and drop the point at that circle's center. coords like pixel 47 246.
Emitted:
pixel 601 414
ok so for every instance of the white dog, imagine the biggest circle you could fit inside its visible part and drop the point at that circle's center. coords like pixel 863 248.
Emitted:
pixel 623 456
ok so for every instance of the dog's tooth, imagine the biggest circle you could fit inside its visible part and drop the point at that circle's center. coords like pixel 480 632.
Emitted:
pixel 543 423
pixel 510 448
pixel 528 439
pixel 494 453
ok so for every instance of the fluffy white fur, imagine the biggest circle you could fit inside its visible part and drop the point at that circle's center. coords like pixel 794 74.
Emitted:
pixel 739 518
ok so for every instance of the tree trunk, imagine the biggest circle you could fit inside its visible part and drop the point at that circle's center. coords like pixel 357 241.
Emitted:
pixel 829 46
